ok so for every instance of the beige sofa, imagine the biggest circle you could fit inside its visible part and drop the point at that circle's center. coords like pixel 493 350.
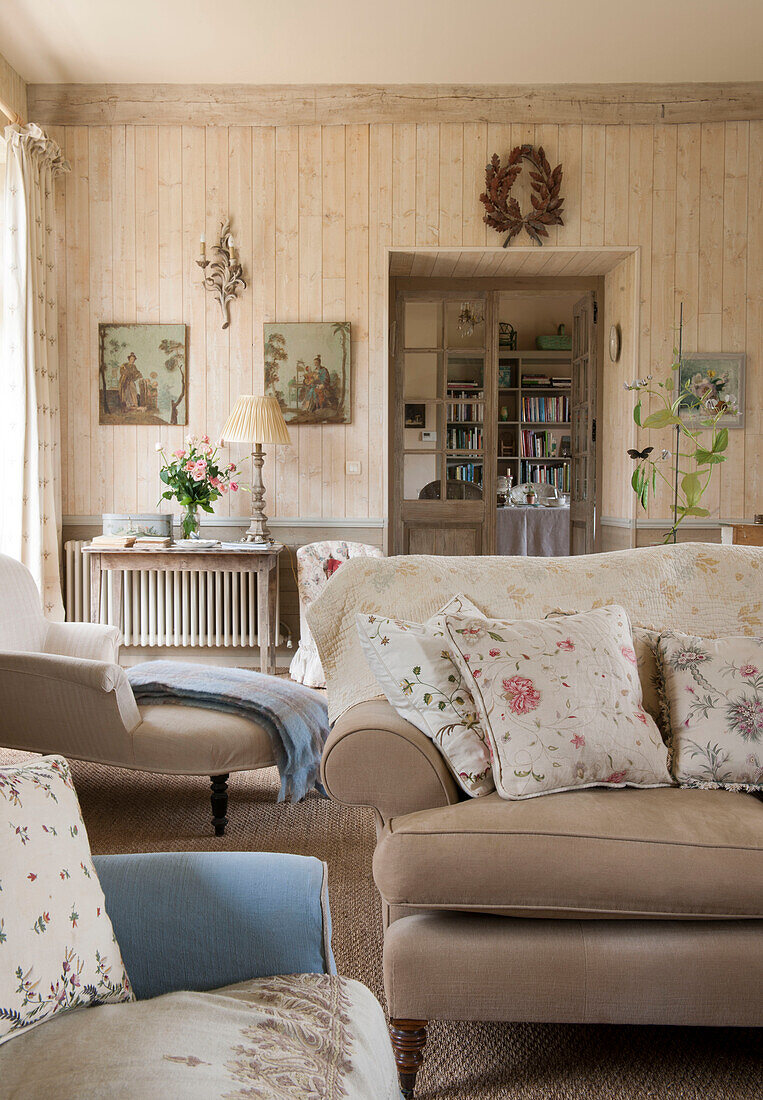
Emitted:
pixel 62 691
pixel 629 906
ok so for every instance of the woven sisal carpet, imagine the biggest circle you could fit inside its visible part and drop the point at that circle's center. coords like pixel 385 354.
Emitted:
pixel 133 812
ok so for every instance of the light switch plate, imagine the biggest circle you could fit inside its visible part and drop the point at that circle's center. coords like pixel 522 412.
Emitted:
pixel 352 468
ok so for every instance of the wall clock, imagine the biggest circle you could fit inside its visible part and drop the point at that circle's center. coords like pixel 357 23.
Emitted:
pixel 614 343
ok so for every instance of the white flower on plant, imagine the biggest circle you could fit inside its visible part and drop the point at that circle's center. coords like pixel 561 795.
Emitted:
pixel 158 447
pixel 665 453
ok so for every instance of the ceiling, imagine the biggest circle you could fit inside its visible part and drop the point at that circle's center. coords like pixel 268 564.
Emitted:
pixel 504 262
pixel 395 41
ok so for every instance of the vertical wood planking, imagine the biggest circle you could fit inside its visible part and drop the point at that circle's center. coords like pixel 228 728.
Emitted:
pixel 427 183
pixel 404 183
pixel 333 183
pixel 193 154
pixel 81 371
pixel 570 156
pixel 287 293
pixel 451 183
pixel 147 291
pixel 380 237
pixel 62 465
pixel 263 275
pixel 617 184
pixel 356 438
pixel 754 325
pixel 123 243
pixel 218 395
pixel 593 185
pixel 547 136
pixel 310 300
pixel 474 230
pixel 102 438
pixel 170 229
pixel 241 371
pixel 734 319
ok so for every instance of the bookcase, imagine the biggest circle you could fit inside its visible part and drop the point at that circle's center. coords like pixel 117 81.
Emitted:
pixel 533 428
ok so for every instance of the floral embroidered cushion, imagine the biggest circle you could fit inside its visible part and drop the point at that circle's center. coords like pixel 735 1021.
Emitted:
pixel 560 700
pixel 57 945
pixel 417 672
pixel 713 700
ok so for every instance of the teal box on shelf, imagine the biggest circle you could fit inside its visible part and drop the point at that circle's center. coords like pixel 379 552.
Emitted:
pixel 507 376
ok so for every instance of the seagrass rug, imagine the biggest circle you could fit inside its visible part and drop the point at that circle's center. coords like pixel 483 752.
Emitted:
pixel 136 812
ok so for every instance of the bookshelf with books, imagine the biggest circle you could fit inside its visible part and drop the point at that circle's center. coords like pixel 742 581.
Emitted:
pixel 534 416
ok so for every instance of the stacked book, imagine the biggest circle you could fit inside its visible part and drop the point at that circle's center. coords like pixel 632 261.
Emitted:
pixel 536 410
pixel 464 397
pixel 529 380
pixel 113 542
pixel 152 542
pixel 558 476
pixel 465 439
pixel 538 445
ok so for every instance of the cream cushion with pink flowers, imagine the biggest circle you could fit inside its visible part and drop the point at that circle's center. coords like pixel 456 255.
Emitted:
pixel 561 702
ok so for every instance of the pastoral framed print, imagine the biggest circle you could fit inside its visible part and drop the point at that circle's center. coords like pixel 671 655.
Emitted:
pixel 718 376
pixel 307 369
pixel 142 374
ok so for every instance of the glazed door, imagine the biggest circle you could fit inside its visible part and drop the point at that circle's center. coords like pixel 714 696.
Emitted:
pixel 583 413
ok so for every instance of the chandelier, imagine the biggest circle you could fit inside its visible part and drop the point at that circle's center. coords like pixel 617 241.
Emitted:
pixel 470 316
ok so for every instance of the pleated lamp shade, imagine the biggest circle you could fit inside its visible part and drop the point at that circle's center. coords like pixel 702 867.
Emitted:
pixel 255 419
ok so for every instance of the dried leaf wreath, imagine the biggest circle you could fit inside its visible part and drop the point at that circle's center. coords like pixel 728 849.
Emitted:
pixel 502 210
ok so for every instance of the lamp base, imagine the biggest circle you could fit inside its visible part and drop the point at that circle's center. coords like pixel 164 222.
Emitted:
pixel 258 532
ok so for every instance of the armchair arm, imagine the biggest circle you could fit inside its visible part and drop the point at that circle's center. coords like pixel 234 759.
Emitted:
pixel 203 920
pixel 75 707
pixel 92 641
pixel 373 757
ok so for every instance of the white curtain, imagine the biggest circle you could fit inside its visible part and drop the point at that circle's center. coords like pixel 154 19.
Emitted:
pixel 30 509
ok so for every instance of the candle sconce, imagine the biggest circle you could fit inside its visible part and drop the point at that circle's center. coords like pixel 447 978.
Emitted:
pixel 225 274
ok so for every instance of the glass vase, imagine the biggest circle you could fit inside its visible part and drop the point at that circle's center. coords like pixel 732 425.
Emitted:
pixel 190 522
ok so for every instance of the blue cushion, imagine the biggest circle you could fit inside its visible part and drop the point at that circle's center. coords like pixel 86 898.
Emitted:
pixel 202 920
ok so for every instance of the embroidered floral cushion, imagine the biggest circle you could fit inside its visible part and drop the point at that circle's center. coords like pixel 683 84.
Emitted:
pixel 57 945
pixel 560 700
pixel 713 699
pixel 416 670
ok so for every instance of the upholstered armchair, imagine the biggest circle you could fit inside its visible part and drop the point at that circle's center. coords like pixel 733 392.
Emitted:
pixel 62 691
pixel 316 564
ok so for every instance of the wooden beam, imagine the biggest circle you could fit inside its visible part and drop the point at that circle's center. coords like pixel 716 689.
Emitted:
pixel 293 104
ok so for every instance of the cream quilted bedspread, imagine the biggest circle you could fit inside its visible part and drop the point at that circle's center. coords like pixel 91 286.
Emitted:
pixel 699 588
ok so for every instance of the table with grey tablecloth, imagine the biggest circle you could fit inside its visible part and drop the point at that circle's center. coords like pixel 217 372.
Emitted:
pixel 533 531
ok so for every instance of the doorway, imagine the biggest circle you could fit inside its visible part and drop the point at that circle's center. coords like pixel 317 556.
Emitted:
pixel 505 395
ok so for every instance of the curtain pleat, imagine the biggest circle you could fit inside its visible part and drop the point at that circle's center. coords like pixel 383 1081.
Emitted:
pixel 30 504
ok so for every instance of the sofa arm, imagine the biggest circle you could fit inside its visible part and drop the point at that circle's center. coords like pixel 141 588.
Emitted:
pixel 92 641
pixel 373 757
pixel 203 920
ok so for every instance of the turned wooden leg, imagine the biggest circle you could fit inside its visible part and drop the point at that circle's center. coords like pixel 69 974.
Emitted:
pixel 408 1039
pixel 219 787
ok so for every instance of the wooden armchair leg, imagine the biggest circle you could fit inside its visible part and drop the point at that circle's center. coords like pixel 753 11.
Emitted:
pixel 219 787
pixel 408 1040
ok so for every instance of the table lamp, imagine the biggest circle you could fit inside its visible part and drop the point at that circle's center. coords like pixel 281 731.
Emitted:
pixel 256 420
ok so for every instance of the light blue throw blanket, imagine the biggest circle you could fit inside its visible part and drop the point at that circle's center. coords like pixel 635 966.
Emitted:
pixel 295 717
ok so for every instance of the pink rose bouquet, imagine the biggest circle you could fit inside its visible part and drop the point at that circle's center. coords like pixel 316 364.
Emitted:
pixel 196 477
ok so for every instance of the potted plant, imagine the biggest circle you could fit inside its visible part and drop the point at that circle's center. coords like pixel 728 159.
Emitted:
pixel 195 477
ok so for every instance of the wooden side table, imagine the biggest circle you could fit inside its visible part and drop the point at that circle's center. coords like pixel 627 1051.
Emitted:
pixel 742 534
pixel 262 562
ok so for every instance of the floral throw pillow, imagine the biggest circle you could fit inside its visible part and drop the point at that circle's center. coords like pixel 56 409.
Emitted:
pixel 561 702
pixel 57 945
pixel 713 699
pixel 417 672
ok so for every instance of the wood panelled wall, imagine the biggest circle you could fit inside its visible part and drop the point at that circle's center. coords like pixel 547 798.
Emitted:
pixel 314 208
pixel 13 91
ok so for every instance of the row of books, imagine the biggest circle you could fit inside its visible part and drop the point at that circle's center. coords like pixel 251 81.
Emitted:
pixel 131 542
pixel 538 444
pixel 464 439
pixel 465 411
pixel 547 475
pixel 539 409
pixel 545 380
pixel 466 471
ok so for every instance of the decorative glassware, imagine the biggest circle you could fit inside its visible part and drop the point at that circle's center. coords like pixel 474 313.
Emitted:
pixel 190 522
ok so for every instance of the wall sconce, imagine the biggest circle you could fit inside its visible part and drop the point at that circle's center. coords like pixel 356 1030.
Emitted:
pixel 225 271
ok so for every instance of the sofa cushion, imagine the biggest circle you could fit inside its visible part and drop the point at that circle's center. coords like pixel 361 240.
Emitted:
pixel 296 1036
pixel 665 852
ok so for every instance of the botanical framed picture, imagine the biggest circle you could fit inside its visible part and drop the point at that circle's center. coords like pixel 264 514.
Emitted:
pixel 718 376
pixel 307 368
pixel 142 374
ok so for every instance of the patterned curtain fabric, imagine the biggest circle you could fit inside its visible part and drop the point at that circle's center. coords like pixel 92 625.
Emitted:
pixel 30 512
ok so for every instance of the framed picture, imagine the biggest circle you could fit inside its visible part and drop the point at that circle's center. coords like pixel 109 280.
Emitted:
pixel 415 415
pixel 142 374
pixel 307 368
pixel 716 374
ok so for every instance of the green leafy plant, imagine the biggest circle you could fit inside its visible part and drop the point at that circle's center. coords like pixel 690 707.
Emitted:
pixel 195 476
pixel 694 457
